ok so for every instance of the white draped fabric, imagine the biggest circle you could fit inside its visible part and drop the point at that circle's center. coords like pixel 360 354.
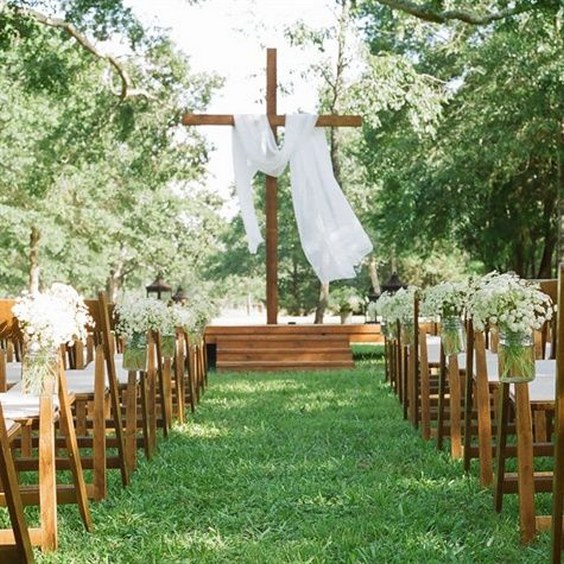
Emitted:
pixel 331 235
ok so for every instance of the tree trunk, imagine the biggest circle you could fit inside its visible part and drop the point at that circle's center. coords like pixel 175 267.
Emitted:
pixel 34 270
pixel 114 282
pixel 545 267
pixel 322 303
pixel 560 191
pixel 373 273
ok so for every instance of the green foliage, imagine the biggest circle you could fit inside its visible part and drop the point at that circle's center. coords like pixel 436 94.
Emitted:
pixel 114 186
pixel 485 177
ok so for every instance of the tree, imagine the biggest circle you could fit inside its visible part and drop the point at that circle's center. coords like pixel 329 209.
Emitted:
pixel 486 178
pixel 108 185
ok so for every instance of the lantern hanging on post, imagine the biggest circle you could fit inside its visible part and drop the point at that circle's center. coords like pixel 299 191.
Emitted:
pixel 160 288
pixel 393 284
pixel 179 297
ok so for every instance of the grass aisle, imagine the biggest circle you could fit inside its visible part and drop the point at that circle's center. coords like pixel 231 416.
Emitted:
pixel 294 467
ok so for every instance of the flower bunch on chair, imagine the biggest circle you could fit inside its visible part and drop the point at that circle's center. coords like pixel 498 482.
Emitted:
pixel 136 314
pixel 52 318
pixel 445 300
pixel 184 317
pixel 509 303
pixel 398 306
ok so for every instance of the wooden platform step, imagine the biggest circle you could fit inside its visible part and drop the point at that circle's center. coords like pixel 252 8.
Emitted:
pixel 283 347
pixel 277 365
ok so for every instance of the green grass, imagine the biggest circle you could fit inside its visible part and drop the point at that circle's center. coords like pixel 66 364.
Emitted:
pixel 298 467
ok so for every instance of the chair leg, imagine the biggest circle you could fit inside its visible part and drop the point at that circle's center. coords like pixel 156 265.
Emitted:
pixel 131 421
pixel 19 549
pixel 441 403
pixel 99 452
pixel 73 453
pixel 47 480
pixel 525 464
pixel 501 443
pixel 179 381
pixel 455 403
pixel 167 390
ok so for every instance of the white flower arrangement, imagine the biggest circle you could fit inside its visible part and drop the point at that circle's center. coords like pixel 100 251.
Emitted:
pixel 509 303
pixel 52 318
pixel 445 300
pixel 203 310
pixel 398 306
pixel 184 317
pixel 136 314
pixel 345 298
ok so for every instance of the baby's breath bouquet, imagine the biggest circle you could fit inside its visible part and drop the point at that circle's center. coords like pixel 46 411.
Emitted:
pixel 514 307
pixel 48 320
pixel 136 316
pixel 202 310
pixel 446 302
pixel 398 307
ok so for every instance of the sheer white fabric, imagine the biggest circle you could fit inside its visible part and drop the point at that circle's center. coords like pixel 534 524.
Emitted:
pixel 331 235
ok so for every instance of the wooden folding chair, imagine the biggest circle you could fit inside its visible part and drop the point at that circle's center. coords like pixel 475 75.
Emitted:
pixel 15 543
pixel 90 389
pixel 45 414
pixel 135 391
pixel 164 385
pixel 558 482
pixel 534 403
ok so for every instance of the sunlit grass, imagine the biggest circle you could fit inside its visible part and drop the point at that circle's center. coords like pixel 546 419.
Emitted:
pixel 298 467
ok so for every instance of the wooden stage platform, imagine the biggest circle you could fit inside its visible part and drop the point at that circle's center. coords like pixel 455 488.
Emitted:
pixel 286 347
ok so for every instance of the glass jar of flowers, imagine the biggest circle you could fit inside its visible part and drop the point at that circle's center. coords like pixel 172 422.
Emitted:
pixel 136 316
pixel 446 302
pixel 514 307
pixel 398 308
pixel 48 320
pixel 385 310
pixel 344 301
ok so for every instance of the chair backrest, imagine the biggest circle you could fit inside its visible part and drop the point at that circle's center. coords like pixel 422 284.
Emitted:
pixel 10 332
pixel 548 334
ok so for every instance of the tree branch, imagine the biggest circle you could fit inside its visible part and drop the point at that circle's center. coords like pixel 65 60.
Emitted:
pixel 427 13
pixel 127 89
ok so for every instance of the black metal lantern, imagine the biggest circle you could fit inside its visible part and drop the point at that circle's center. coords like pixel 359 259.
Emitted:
pixel 393 284
pixel 160 288
pixel 179 297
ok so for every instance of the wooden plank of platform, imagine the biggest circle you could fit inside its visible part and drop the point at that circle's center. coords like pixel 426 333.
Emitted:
pixel 357 333
pixel 287 347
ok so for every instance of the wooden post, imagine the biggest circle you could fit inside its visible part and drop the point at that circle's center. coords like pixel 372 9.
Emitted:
pixel 271 202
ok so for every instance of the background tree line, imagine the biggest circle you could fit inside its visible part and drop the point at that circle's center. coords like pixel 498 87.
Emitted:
pixel 458 166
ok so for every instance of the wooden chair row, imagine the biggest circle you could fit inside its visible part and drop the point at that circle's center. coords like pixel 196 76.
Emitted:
pixel 460 399
pixel 100 418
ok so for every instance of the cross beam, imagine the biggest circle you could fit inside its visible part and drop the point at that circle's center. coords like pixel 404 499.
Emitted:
pixel 275 121
pixel 271 182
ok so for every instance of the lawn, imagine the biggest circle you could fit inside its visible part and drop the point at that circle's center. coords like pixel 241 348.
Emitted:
pixel 298 467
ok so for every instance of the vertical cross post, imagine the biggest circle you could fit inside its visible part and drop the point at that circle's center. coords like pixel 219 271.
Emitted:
pixel 271 201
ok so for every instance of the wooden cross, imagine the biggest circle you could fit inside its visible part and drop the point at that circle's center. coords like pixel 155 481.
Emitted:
pixel 271 182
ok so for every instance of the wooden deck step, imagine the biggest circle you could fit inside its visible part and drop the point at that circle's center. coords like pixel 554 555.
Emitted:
pixel 277 365
pixel 284 347
pixel 284 354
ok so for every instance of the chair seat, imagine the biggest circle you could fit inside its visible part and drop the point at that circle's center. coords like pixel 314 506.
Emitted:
pixel 17 405
pixel 81 380
pixel 121 373
pixel 433 349
pixel 13 373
